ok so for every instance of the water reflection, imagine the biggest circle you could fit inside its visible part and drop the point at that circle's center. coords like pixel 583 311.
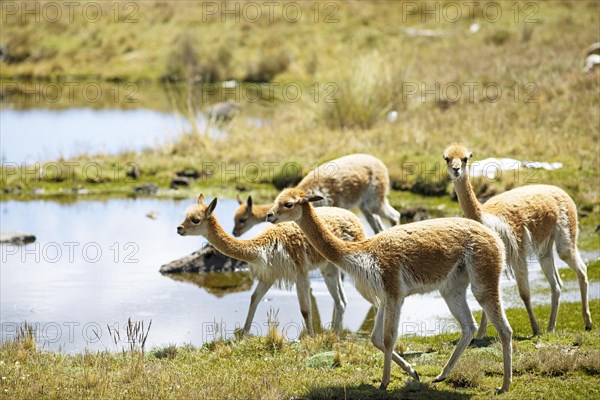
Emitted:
pixel 217 283
pixel 76 131
pixel 68 119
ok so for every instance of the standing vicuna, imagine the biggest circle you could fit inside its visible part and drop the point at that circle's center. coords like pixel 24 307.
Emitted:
pixel 280 254
pixel 530 219
pixel 444 254
pixel 355 180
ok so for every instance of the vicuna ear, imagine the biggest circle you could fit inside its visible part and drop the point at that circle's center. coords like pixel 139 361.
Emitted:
pixel 201 199
pixel 239 199
pixel 249 203
pixel 211 207
pixel 314 197
pixel 470 154
pixel 445 157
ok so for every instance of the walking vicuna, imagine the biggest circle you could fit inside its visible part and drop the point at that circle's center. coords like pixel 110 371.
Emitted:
pixel 530 220
pixel 444 254
pixel 356 180
pixel 281 254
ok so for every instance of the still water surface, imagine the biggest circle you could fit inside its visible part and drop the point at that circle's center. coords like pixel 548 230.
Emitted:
pixel 95 263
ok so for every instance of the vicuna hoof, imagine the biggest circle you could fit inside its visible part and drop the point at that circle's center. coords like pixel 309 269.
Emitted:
pixel 383 387
pixel 501 390
pixel 438 379
pixel 415 375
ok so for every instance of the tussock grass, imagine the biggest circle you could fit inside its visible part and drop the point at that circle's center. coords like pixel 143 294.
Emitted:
pixel 249 368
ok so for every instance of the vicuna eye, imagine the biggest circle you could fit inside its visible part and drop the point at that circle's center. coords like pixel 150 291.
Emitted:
pixel 243 220
pixel 465 159
pixel 195 220
pixel 289 205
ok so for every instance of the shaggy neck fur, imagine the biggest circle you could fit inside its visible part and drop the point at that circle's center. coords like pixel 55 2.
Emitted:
pixel 467 199
pixel 244 250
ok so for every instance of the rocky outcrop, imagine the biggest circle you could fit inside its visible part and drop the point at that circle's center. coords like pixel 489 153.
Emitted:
pixel 18 238
pixel 208 259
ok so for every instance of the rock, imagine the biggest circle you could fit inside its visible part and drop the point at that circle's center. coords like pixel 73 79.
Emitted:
pixel 146 188
pixel 79 190
pixel 322 360
pixel 190 173
pixel 414 214
pixel 424 32
pixel 18 238
pixel 133 172
pixel 224 111
pixel 179 182
pixel 426 188
pixel 208 259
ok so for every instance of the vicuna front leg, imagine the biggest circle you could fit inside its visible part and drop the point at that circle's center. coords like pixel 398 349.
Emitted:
pixel 261 289
pixel 482 327
pixel 569 253
pixel 333 279
pixel 303 290
pixel 378 340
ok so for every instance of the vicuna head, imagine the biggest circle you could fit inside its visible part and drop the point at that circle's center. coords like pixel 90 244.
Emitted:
pixel 288 205
pixel 456 157
pixel 243 217
pixel 196 216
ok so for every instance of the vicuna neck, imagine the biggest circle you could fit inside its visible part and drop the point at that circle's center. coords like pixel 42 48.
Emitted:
pixel 467 199
pixel 244 250
pixel 321 238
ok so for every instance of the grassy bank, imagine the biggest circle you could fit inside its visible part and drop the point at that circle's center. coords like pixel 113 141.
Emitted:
pixel 513 88
pixel 565 364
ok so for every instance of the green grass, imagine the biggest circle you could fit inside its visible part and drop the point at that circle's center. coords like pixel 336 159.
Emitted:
pixel 593 272
pixel 364 62
pixel 564 364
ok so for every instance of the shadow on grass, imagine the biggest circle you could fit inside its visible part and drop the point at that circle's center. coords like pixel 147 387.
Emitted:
pixel 411 390
pixel 487 341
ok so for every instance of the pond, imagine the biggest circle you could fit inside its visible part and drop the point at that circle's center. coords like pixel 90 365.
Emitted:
pixel 47 121
pixel 95 264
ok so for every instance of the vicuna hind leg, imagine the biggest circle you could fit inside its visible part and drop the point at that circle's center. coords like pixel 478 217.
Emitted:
pixel 522 276
pixel 333 279
pixel 373 219
pixel 490 302
pixel 568 252
pixel 547 263
pixel 377 338
pixel 303 290
pixel 455 296
pixel 388 212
